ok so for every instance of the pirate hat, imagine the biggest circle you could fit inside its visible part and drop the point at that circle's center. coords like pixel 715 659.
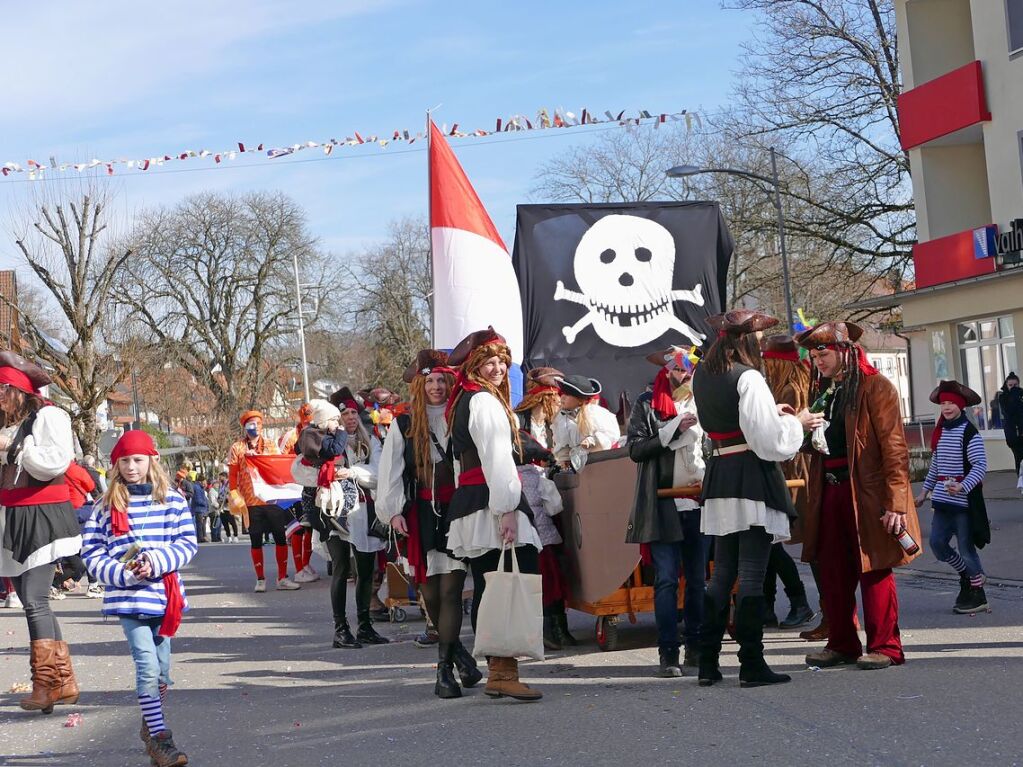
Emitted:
pixel 472 342
pixel 827 333
pixel 424 363
pixel 739 322
pixel 965 393
pixel 343 399
pixel 538 377
pixel 18 372
pixel 579 386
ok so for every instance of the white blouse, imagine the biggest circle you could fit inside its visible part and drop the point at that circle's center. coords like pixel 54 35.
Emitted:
pixel 390 494
pixel 772 437
pixel 689 465
pixel 480 532
pixel 365 474
pixel 603 428
pixel 49 449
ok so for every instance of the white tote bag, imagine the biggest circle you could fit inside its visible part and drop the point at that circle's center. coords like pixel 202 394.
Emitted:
pixel 510 620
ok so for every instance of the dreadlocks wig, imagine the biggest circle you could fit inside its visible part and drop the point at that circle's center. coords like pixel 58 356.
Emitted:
pixel 419 432
pixel 855 367
pixel 542 393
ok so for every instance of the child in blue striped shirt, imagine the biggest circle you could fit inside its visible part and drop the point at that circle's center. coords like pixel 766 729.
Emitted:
pixel 135 542
pixel 958 466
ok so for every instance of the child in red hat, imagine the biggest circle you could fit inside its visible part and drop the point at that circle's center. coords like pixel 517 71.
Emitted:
pixel 139 537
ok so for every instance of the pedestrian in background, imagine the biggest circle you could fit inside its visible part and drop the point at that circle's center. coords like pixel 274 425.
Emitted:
pixel 1010 403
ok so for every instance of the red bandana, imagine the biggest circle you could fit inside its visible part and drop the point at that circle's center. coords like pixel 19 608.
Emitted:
pixel 861 359
pixel 662 403
pixel 462 383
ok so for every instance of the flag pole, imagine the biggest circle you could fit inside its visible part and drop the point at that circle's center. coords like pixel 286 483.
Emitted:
pixel 429 224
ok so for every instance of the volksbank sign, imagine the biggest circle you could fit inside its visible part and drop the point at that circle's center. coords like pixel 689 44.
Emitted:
pixel 1007 245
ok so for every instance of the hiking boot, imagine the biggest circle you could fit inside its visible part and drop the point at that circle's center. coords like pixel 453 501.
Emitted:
pixel 503 680
pixel 873 661
pixel 976 601
pixel 800 613
pixel 669 668
pixel 828 658
pixel 163 752
pixel 343 636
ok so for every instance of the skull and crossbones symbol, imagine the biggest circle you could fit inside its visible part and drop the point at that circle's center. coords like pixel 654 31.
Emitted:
pixel 624 266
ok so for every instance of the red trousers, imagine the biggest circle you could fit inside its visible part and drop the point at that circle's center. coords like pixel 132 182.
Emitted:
pixel 554 583
pixel 838 557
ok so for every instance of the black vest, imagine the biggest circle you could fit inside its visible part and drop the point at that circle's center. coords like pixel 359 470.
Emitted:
pixel 717 398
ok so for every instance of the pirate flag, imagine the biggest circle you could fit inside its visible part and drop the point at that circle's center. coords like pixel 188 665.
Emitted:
pixel 605 285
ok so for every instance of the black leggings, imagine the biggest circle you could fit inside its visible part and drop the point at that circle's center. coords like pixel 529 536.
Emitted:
pixel 743 555
pixel 268 519
pixel 443 597
pixel 72 568
pixel 341 568
pixel 230 523
pixel 529 562
pixel 33 589
pixel 780 565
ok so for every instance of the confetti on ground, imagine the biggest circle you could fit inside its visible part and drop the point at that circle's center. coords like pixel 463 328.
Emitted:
pixel 813 668
pixel 21 687
pixel 909 697
pixel 73 720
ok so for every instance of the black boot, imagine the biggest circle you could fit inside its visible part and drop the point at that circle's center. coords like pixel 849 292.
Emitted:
pixel 964 591
pixel 715 618
pixel 800 612
pixel 446 686
pixel 749 632
pixel 561 624
pixel 976 601
pixel 669 667
pixel 550 638
pixel 770 617
pixel 343 635
pixel 468 671
pixel 367 634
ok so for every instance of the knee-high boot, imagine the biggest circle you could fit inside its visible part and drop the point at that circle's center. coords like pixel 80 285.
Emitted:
pixel 45 677
pixel 446 686
pixel 68 692
pixel 749 632
pixel 712 631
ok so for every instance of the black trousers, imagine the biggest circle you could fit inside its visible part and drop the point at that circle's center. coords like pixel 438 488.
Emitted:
pixel 341 568
pixel 781 565
pixel 230 523
pixel 267 520
pixel 529 563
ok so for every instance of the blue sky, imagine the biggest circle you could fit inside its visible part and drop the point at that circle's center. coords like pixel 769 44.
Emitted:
pixel 135 79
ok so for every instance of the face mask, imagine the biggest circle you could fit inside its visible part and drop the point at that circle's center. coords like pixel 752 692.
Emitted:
pixel 252 430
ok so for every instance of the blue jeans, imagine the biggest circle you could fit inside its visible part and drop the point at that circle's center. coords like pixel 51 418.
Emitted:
pixel 151 652
pixel 689 554
pixel 216 526
pixel 952 521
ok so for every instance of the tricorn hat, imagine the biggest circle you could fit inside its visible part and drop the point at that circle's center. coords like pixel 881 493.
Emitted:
pixel 343 399
pixel 738 322
pixel 579 386
pixel 424 363
pixel 826 333
pixel 968 395
pixel 780 347
pixel 18 372
pixel 473 341
pixel 537 377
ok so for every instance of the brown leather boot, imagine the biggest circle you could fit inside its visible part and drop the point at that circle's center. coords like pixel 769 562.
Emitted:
pixel 819 634
pixel 45 677
pixel 504 680
pixel 68 693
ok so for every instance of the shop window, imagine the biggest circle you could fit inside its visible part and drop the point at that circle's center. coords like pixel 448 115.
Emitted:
pixel 1014 21
pixel 987 350
pixel 939 355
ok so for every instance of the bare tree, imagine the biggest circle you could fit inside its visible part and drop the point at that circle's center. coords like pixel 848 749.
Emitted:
pixel 213 287
pixel 390 298
pixel 64 239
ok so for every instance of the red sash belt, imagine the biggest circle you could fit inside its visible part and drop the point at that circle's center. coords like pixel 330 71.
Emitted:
pixel 836 463
pixel 175 605
pixel 472 477
pixel 444 492
pixel 723 435
pixel 29 496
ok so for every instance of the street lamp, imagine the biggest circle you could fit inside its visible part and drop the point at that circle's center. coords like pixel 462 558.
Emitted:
pixel 681 171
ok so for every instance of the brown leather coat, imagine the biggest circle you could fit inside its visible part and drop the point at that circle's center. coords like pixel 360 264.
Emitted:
pixel 879 473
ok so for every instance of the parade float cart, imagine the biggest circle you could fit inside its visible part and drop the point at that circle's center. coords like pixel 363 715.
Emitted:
pixel 605 574
pixel 401 595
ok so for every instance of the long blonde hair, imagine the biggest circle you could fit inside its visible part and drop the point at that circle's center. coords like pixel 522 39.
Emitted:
pixel 419 432
pixel 116 496
pixel 359 442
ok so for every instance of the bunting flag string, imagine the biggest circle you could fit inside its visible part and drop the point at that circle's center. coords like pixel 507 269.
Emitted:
pixel 543 120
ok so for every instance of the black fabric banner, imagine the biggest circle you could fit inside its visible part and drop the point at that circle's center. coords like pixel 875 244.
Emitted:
pixel 605 285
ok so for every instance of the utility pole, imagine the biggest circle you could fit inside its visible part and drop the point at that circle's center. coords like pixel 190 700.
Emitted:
pixel 301 327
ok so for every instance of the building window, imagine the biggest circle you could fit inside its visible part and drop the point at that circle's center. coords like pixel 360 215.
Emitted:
pixel 1014 22
pixel 987 350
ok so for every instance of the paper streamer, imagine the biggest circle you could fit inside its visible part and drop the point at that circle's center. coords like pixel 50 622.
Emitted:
pixel 544 120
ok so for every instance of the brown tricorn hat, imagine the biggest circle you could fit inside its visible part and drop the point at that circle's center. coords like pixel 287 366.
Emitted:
pixel 538 377
pixel 969 396
pixel 18 372
pixel 472 342
pixel 739 322
pixel 424 363
pixel 780 343
pixel 827 333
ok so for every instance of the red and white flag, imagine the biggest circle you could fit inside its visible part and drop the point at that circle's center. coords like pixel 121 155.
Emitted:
pixel 272 480
pixel 474 283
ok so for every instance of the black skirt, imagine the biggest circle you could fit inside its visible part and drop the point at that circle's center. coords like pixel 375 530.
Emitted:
pixel 468 499
pixel 30 528
pixel 433 529
pixel 744 475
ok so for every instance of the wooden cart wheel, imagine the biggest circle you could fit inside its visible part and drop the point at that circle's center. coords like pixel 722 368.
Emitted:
pixel 607 632
pixel 398 615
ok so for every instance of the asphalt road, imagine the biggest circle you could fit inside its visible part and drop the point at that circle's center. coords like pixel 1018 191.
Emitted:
pixel 257 683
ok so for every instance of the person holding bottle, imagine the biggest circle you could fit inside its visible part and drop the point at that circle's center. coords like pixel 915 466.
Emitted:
pixel 861 518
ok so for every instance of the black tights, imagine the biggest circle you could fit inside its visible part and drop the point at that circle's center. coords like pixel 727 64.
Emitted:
pixel 529 562
pixel 341 568
pixel 443 597
pixel 781 565
pixel 33 588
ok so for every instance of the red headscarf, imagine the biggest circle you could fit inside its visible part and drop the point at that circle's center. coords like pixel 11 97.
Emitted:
pixel 945 396
pixel 662 403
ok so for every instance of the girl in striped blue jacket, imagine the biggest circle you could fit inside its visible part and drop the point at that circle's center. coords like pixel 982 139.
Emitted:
pixel 958 466
pixel 137 539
